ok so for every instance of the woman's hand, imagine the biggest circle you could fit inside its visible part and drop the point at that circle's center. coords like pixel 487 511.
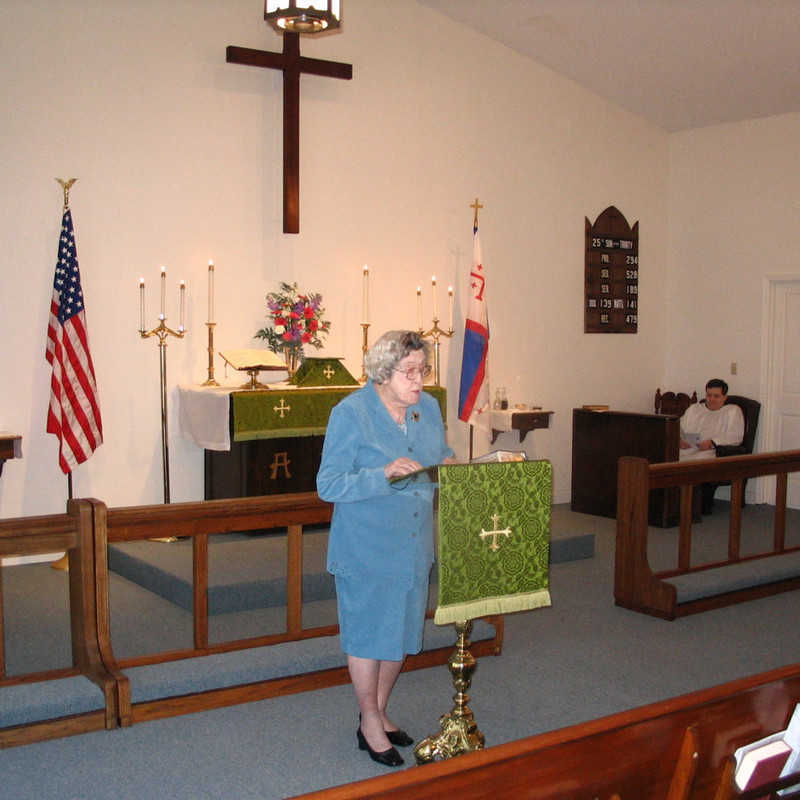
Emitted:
pixel 401 466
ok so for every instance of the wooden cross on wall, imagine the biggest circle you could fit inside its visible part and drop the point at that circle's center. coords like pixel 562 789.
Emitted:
pixel 292 64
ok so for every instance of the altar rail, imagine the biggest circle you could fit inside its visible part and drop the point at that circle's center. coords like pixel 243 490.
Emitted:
pixel 675 749
pixel 688 589
pixel 70 532
pixel 86 532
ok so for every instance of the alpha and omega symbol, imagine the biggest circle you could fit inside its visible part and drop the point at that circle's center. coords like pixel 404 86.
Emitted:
pixel 329 372
pixel 281 408
pixel 280 461
pixel 495 533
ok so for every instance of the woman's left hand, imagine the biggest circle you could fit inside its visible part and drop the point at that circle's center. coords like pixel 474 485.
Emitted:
pixel 401 466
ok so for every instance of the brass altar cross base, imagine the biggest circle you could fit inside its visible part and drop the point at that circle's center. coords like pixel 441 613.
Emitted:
pixel 459 732
pixel 253 383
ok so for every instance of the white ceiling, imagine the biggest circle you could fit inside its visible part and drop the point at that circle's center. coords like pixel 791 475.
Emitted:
pixel 679 63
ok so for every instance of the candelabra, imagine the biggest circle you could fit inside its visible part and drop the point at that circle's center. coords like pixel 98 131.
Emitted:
pixel 436 333
pixel 162 332
pixel 210 380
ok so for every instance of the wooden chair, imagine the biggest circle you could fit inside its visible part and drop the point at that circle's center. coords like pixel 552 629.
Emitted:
pixel 750 410
pixel 672 403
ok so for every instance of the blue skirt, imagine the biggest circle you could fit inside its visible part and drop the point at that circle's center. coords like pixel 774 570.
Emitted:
pixel 379 618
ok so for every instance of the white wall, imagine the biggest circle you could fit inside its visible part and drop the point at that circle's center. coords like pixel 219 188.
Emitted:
pixel 734 209
pixel 178 160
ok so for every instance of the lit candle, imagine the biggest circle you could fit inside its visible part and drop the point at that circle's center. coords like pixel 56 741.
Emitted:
pixel 435 304
pixel 163 293
pixel 210 291
pixel 419 308
pixel 365 296
pixel 450 296
pixel 141 304
pixel 183 305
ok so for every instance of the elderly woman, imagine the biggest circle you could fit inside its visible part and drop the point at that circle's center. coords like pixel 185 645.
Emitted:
pixel 381 540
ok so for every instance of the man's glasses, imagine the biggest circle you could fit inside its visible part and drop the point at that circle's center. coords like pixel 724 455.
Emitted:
pixel 412 373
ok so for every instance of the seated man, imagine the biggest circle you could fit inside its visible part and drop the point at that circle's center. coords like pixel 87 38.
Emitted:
pixel 704 426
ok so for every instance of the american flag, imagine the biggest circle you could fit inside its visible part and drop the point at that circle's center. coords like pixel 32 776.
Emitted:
pixel 74 413
pixel 473 400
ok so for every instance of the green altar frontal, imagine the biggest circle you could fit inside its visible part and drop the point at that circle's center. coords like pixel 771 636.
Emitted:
pixel 294 411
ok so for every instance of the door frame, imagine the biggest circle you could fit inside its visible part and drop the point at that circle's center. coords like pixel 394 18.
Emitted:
pixel 765 491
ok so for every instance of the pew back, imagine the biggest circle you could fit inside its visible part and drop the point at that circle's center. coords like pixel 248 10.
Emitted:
pixel 632 754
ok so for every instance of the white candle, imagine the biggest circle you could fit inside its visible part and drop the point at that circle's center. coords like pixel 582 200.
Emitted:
pixel 210 291
pixel 450 296
pixel 141 304
pixel 183 305
pixel 419 308
pixel 435 304
pixel 365 296
pixel 163 293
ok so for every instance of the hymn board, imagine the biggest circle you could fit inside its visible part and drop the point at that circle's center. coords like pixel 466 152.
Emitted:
pixel 611 302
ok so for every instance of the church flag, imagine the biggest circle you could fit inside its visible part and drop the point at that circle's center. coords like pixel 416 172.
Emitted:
pixel 74 412
pixel 473 398
pixel 494 538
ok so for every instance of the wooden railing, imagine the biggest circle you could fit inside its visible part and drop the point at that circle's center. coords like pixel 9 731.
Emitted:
pixel 201 519
pixel 636 585
pixel 70 532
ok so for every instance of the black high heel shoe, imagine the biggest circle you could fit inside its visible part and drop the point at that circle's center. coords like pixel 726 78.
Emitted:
pixel 389 758
pixel 399 738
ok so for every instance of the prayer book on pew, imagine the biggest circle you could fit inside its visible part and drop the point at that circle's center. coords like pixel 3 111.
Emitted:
pixel 790 765
pixel 761 764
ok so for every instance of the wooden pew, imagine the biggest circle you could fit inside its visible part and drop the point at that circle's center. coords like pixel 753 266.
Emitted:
pixel 687 588
pixel 643 754
pixel 71 532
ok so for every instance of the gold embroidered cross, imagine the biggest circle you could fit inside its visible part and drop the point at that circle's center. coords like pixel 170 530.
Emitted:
pixel 329 372
pixel 281 408
pixel 495 533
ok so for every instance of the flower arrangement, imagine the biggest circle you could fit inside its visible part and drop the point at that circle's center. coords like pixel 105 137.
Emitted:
pixel 296 320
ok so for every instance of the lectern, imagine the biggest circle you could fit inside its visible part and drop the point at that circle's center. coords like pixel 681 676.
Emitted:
pixel 601 438
pixel 493 558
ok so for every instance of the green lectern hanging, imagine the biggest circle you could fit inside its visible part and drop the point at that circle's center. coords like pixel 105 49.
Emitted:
pixel 494 538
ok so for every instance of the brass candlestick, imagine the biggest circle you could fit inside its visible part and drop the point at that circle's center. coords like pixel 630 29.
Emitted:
pixel 364 348
pixel 210 380
pixel 162 332
pixel 435 333
pixel 459 733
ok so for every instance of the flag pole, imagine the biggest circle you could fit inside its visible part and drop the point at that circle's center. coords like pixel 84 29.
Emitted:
pixel 62 564
pixel 66 185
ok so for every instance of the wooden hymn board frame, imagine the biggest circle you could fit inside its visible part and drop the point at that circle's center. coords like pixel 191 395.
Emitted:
pixel 611 302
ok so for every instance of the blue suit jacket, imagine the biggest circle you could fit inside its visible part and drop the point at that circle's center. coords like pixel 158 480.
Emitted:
pixel 379 528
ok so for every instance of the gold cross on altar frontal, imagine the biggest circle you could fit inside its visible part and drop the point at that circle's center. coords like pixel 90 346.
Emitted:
pixel 292 64
pixel 281 408
pixel 495 533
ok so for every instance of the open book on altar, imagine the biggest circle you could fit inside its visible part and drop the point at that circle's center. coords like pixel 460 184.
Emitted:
pixel 429 474
pixel 253 359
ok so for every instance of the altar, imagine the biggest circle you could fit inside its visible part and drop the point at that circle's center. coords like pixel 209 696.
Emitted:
pixel 260 442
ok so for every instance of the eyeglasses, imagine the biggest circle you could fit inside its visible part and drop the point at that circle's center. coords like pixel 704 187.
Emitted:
pixel 412 373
